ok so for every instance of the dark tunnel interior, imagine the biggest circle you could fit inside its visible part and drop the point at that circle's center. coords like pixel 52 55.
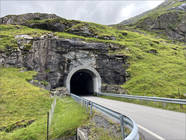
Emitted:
pixel 81 84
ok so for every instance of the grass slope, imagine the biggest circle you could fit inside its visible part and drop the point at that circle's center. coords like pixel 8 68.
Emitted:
pixel 23 109
pixel 21 102
pixel 157 68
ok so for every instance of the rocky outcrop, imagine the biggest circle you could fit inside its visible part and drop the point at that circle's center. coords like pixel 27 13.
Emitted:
pixel 82 30
pixel 55 23
pixel 53 58
pixel 60 91
pixel 44 21
pixel 171 24
pixel 181 7
pixel 168 19
pixel 21 19
pixel 87 30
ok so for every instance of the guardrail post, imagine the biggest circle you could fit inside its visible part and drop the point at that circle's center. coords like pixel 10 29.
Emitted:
pixel 122 127
pixel 87 105
pixel 81 102
pixel 181 106
pixel 91 104
pixel 164 105
pixel 47 126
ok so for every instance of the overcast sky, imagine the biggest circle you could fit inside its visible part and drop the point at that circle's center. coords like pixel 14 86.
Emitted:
pixel 99 11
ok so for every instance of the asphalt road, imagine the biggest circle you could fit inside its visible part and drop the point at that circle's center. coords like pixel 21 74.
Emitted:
pixel 153 123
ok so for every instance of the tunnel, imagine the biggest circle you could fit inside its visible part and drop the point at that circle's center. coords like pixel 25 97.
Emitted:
pixel 83 81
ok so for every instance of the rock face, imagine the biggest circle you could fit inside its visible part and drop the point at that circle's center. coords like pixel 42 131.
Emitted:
pixel 53 58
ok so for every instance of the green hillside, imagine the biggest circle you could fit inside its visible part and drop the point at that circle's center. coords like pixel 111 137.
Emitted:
pixel 156 66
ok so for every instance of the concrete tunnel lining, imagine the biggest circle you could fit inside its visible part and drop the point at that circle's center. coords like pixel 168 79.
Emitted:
pixel 87 70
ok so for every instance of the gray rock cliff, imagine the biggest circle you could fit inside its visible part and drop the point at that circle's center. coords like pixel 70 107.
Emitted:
pixel 54 57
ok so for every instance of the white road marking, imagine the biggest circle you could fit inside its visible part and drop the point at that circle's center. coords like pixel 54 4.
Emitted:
pixel 150 132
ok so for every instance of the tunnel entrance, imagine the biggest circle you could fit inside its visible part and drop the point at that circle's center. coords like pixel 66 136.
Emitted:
pixel 81 83
pixel 83 80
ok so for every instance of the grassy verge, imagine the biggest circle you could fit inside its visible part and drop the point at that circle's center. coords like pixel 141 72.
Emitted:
pixel 167 106
pixel 68 116
pixel 103 134
pixel 24 107
pixel 101 127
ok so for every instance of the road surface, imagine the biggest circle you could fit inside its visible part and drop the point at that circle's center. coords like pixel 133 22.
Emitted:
pixel 153 123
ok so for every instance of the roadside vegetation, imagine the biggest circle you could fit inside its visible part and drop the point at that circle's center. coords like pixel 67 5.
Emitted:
pixel 68 116
pixel 24 107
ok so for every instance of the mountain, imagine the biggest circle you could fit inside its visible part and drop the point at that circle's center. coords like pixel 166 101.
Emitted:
pixel 168 19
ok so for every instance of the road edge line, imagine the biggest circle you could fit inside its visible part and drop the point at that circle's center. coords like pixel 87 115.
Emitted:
pixel 150 132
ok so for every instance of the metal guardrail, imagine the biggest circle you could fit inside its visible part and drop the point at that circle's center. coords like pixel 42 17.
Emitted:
pixel 124 120
pixel 147 98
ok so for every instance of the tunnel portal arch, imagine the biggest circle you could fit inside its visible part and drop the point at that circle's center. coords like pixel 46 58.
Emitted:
pixel 85 79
